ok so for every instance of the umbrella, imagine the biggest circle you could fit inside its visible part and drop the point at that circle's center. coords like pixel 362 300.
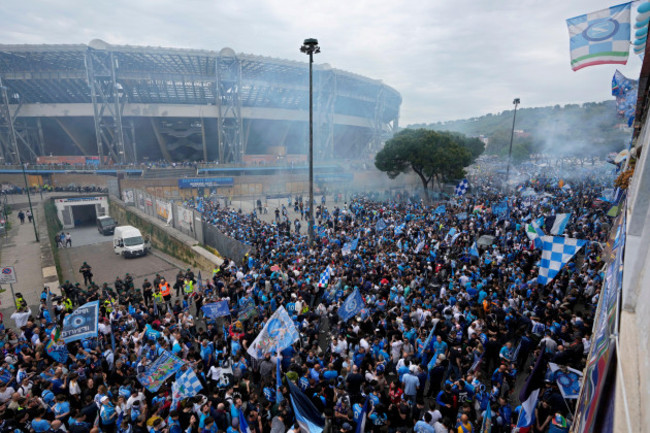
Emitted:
pixel 485 240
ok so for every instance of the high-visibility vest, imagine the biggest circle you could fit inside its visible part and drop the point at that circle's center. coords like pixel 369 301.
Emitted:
pixel 157 298
pixel 108 305
pixel 165 290
pixel 188 287
pixel 215 271
pixel 68 304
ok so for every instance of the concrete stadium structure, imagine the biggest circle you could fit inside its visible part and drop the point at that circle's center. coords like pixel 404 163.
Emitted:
pixel 132 103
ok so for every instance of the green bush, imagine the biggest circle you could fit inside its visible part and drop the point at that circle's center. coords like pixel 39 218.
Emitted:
pixel 54 227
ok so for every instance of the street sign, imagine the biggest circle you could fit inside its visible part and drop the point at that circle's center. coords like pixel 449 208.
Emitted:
pixel 7 275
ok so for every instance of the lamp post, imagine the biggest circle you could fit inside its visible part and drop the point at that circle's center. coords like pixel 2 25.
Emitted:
pixel 310 47
pixel 29 199
pixel 512 136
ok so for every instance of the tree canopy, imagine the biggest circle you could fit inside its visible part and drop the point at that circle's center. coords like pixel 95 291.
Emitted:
pixel 432 155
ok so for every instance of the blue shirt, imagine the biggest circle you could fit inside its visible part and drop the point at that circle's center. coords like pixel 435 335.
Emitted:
pixel 423 427
pixel 40 426
pixel 411 384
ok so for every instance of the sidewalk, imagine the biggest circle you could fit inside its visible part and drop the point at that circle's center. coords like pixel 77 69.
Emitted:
pixel 20 250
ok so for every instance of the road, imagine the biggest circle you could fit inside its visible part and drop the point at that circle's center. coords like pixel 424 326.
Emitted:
pixel 97 250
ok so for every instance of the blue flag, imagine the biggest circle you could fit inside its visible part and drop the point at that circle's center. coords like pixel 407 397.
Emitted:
pixel 557 251
pixel 243 424
pixel 216 309
pixel 440 210
pixel 600 37
pixel 159 371
pixel 278 333
pixel 307 416
pixel 278 382
pixel 474 250
pixel 500 209
pixel 381 225
pixel 352 306
pixel 349 247
pixel 399 229
pixel 81 323
pixel 58 352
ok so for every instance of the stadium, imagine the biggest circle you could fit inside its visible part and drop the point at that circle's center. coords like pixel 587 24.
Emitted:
pixel 130 104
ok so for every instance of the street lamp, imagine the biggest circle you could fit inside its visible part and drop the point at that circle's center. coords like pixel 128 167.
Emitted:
pixel 310 47
pixel 512 136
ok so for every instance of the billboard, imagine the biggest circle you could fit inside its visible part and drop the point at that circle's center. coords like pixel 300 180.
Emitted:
pixel 205 182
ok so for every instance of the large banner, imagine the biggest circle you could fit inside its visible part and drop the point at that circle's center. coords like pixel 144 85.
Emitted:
pixel 164 210
pixel 81 323
pixel 159 371
pixel 216 309
pixel 128 196
pixel 185 218
pixel 139 202
pixel 278 333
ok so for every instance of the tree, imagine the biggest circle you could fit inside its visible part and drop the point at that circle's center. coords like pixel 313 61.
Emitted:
pixel 432 155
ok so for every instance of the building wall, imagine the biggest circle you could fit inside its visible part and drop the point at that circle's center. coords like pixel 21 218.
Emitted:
pixel 633 377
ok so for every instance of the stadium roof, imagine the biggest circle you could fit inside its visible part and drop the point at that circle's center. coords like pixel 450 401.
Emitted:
pixel 57 74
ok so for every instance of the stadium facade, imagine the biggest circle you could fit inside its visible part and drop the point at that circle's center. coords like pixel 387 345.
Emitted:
pixel 132 104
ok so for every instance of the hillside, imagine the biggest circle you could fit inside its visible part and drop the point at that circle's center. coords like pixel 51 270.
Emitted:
pixel 590 128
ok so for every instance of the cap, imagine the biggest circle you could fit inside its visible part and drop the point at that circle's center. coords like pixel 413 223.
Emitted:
pixel 104 398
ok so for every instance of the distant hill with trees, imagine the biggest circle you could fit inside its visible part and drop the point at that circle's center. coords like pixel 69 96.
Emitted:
pixel 592 128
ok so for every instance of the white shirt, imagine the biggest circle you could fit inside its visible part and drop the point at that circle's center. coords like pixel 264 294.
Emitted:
pixel 21 318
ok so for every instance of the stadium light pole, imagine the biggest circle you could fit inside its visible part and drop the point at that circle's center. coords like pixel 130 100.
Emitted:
pixel 517 101
pixel 310 47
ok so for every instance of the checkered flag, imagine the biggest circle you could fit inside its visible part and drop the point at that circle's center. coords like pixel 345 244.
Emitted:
pixel 556 252
pixel 461 188
pixel 186 385
pixel 324 277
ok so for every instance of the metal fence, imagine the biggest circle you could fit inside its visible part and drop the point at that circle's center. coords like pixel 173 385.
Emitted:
pixel 186 220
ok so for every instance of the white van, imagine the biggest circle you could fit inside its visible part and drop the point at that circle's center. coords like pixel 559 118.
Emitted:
pixel 128 241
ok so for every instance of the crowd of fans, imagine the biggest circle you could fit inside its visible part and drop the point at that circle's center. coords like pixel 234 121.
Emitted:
pixel 443 334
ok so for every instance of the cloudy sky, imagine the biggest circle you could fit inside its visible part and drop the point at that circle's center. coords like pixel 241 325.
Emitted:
pixel 448 59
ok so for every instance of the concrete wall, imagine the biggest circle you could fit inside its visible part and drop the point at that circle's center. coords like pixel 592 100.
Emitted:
pixel 259 186
pixel 62 180
pixel 163 237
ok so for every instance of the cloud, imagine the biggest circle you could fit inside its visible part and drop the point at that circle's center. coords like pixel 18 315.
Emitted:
pixel 449 60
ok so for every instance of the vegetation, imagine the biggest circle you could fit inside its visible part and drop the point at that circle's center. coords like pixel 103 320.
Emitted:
pixel 570 130
pixel 54 227
pixel 432 155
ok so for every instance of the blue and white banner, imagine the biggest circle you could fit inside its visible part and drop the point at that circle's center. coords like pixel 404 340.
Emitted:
pixel 352 306
pixel 216 309
pixel 278 333
pixel 601 37
pixel 186 385
pixel 81 323
pixel 349 247
pixel 473 251
pixel 557 251
pixel 556 224
pixel 324 277
pixel 399 229
pixel 381 225
pixel 462 187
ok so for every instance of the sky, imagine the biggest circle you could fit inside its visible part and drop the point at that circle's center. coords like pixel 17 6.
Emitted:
pixel 448 59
